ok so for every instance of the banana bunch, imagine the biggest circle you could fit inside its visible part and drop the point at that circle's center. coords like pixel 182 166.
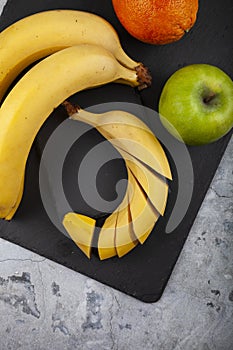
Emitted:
pixel 147 191
pixel 45 33
pixel 85 53
pixel 79 51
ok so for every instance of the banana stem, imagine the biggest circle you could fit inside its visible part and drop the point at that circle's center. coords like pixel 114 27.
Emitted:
pixel 71 109
pixel 76 113
pixel 144 77
pixel 139 77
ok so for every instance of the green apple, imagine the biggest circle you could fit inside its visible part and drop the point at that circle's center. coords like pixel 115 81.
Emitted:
pixel 196 104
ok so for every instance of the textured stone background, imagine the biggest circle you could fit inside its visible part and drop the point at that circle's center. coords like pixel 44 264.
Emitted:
pixel 46 306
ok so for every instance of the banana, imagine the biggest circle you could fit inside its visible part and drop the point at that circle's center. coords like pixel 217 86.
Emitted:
pixel 33 99
pixel 42 34
pixel 146 195
pixel 130 223
pixel 128 133
pixel 149 182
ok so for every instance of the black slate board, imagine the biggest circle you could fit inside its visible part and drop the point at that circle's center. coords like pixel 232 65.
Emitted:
pixel 145 271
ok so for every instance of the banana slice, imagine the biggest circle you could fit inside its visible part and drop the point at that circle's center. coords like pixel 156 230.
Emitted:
pixel 115 226
pixel 143 217
pixel 125 240
pixel 106 242
pixel 81 229
pixel 154 186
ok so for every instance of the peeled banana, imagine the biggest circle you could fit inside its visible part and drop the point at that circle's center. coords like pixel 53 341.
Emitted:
pixel 147 191
pixel 42 34
pixel 35 96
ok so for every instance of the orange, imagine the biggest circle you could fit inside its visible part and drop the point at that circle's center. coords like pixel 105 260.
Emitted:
pixel 156 21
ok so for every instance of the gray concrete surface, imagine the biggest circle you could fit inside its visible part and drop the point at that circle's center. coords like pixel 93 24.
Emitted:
pixel 46 306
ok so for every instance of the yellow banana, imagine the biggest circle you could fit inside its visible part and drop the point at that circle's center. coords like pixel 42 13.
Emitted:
pixel 130 223
pixel 42 34
pixel 33 99
pixel 147 192
pixel 128 133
